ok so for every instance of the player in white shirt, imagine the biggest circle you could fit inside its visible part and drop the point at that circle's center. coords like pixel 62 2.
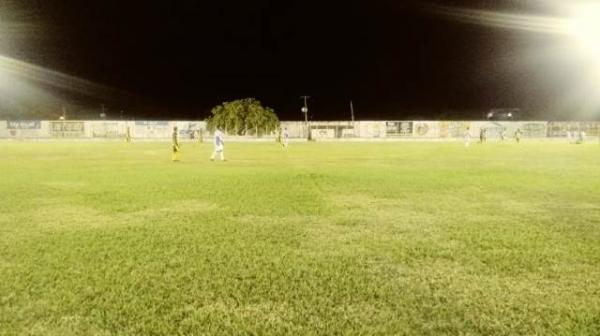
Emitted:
pixel 581 138
pixel 468 137
pixel 286 137
pixel 219 146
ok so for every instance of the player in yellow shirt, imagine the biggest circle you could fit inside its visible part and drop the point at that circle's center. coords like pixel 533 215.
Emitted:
pixel 128 135
pixel 176 148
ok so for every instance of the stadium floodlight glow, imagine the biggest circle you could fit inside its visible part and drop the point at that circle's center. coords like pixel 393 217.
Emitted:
pixel 24 81
pixel 582 22
pixel 585 26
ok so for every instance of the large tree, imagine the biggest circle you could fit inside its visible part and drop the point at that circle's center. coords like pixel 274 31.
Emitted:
pixel 243 117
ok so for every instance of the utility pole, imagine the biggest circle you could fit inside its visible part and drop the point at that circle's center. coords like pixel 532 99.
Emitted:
pixel 305 111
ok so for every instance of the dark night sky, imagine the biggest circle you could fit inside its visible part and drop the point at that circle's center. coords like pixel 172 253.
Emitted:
pixel 177 59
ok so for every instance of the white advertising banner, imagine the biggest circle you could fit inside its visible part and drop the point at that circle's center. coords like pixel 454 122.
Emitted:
pixel 322 133
pixel 24 129
pixel 104 129
pixel 371 129
pixel 455 129
pixel 152 129
pixel 426 129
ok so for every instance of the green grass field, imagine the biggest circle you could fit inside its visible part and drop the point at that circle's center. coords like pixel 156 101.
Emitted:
pixel 329 239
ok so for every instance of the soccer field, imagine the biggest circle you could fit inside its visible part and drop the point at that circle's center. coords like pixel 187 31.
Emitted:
pixel 324 238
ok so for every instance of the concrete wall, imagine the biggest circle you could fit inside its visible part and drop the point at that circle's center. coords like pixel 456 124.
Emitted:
pixel 320 130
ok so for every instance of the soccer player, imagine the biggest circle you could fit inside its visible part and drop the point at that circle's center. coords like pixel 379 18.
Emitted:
pixel 128 135
pixel 286 136
pixel 482 135
pixel 518 135
pixel 176 148
pixel 581 137
pixel 219 146
pixel 278 139
pixel 468 137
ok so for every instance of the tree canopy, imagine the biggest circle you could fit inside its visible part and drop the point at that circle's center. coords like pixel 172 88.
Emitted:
pixel 243 117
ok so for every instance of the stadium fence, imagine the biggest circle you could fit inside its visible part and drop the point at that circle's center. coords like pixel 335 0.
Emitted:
pixel 319 130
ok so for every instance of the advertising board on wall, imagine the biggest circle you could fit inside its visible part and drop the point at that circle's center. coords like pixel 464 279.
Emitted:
pixel 24 128
pixel 454 129
pixel 371 129
pixel 30 124
pixel 425 129
pixel 108 129
pixel 493 129
pixel 190 129
pixel 398 128
pixel 534 129
pixel 322 133
pixel 152 129
pixel 561 128
pixel 67 129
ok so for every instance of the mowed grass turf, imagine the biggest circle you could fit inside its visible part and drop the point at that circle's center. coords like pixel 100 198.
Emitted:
pixel 329 239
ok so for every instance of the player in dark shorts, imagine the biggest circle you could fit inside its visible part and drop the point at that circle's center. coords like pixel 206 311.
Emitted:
pixel 518 135
pixel 176 148
pixel 482 135
pixel 128 135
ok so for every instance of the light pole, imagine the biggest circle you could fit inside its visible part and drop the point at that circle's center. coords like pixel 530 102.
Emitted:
pixel 305 111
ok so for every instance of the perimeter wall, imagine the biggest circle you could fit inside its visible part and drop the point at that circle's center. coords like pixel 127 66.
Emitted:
pixel 160 130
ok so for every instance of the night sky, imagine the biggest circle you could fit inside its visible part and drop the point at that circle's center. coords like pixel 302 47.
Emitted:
pixel 395 60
